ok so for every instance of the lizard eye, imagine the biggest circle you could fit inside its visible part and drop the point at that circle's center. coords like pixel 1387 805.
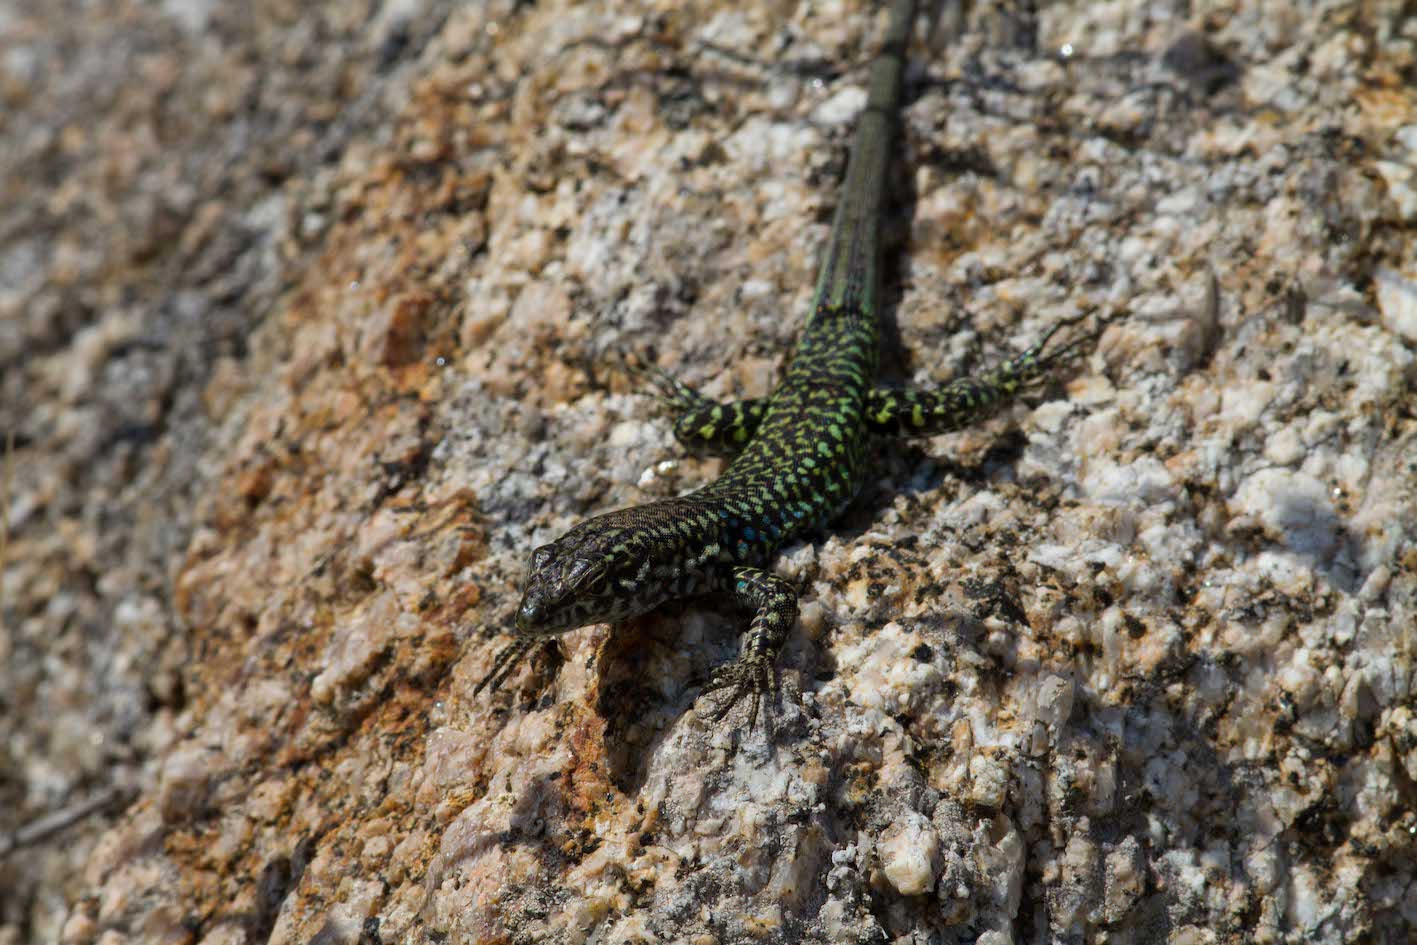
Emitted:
pixel 587 575
pixel 541 557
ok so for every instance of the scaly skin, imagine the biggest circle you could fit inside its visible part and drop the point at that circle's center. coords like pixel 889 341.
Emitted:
pixel 800 454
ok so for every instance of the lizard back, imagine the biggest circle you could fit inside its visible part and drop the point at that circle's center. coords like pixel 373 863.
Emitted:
pixel 805 462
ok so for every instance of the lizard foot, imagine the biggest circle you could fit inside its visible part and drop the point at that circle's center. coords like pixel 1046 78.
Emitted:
pixel 752 675
pixel 671 392
pixel 1039 362
pixel 505 663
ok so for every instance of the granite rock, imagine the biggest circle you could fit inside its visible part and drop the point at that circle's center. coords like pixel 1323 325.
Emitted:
pixel 1132 662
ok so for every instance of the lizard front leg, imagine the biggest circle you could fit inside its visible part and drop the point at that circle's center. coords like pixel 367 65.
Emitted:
pixel 702 425
pixel 754 673
pixel 719 429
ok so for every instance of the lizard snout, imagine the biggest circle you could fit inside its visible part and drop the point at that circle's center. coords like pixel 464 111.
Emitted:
pixel 531 613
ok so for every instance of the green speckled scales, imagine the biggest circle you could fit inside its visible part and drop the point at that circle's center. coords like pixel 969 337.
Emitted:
pixel 799 455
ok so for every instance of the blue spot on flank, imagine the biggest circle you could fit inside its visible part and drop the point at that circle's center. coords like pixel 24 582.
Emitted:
pixel 723 513
pixel 749 534
pixel 742 549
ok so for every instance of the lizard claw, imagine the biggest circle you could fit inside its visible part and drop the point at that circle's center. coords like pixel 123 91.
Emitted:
pixel 1034 363
pixel 1073 348
pixel 504 663
pixel 751 675
pixel 668 390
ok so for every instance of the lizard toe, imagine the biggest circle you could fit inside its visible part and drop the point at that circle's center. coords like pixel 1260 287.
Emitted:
pixel 753 676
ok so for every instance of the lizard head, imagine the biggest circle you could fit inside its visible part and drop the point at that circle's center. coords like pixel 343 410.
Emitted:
pixel 571 584
pixel 612 567
pixel 588 575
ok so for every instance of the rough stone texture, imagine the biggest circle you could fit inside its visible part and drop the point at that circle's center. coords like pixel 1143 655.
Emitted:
pixel 1132 663
pixel 161 169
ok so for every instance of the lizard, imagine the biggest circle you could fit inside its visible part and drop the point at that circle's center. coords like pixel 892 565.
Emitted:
pixel 798 455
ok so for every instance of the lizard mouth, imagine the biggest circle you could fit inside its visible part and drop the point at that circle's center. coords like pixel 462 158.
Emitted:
pixel 542 614
pixel 539 613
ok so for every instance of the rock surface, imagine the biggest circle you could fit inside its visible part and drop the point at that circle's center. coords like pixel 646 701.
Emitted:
pixel 309 316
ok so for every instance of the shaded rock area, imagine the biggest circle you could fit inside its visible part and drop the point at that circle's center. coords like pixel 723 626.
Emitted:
pixel 310 316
